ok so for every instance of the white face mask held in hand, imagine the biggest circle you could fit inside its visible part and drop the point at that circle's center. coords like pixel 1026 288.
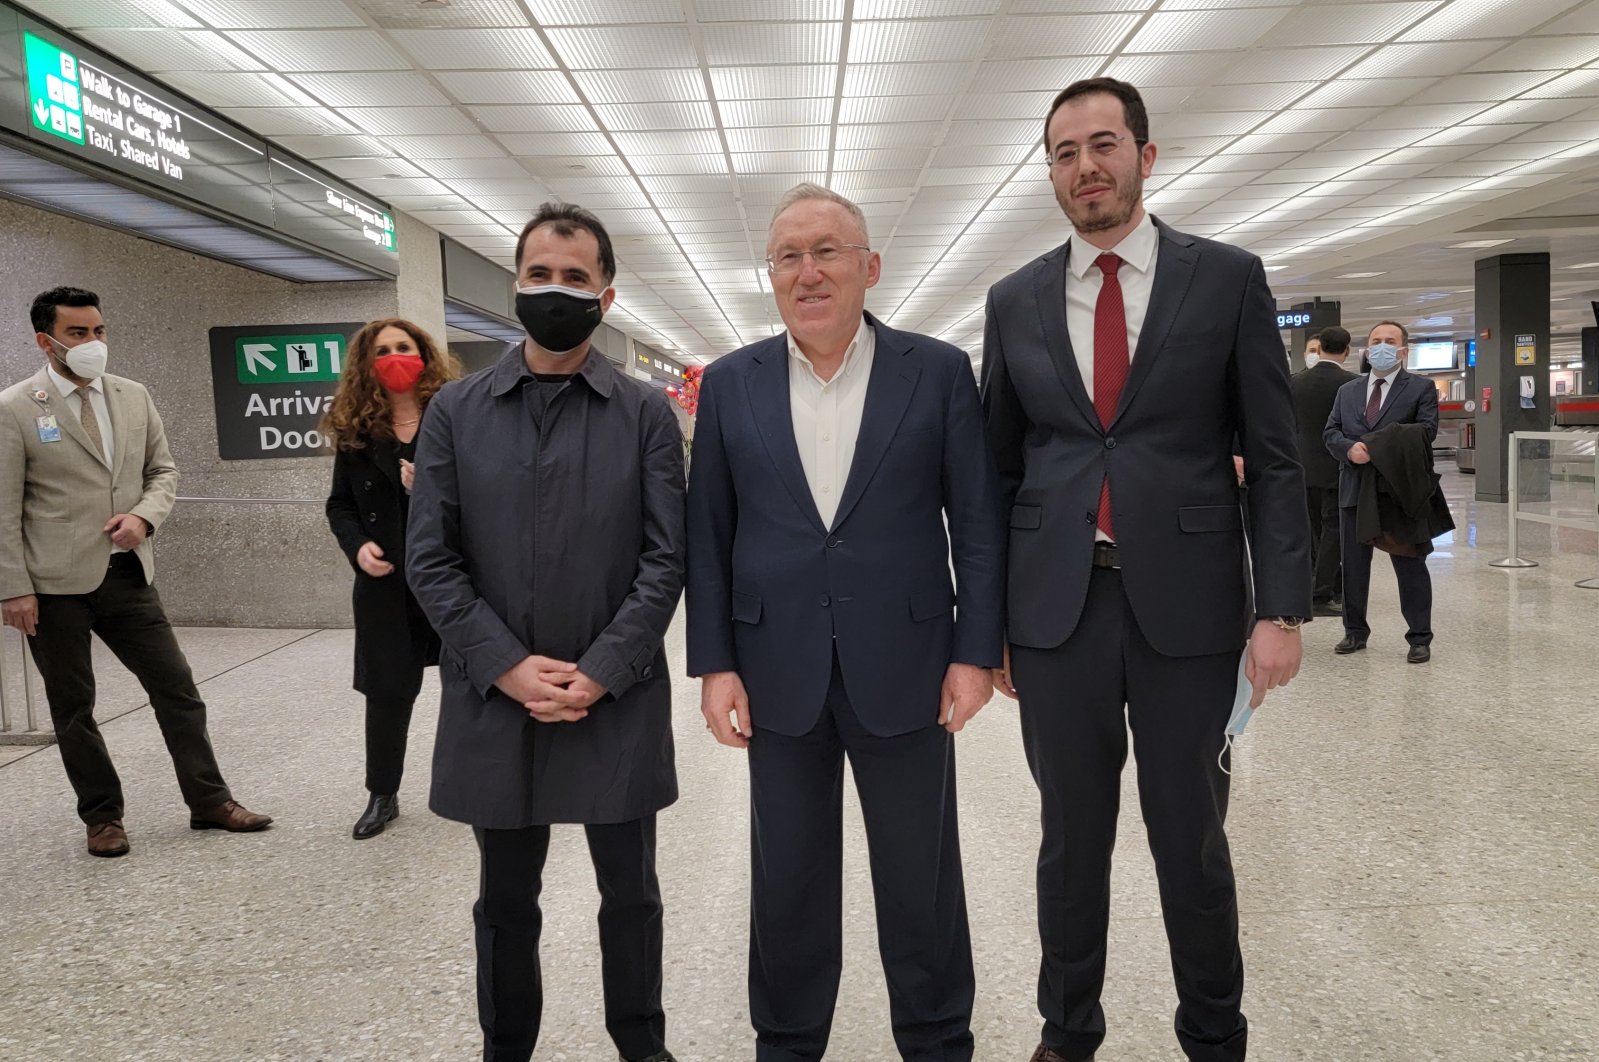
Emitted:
pixel 1241 712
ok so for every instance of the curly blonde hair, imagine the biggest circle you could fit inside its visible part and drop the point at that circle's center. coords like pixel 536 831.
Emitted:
pixel 361 409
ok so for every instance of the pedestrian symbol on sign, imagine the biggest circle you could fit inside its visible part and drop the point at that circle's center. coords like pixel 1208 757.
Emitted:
pixel 302 357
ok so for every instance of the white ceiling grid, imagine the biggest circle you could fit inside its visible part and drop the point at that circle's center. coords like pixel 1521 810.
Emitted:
pixel 1328 136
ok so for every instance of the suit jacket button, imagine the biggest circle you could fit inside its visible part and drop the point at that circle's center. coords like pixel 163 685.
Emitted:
pixel 1090 517
pixel 826 601
pixel 368 485
pixel 373 517
pixel 1110 443
pixel 833 541
pixel 648 672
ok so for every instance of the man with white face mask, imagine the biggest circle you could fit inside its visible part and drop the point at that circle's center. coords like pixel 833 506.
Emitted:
pixel 85 479
pixel 1387 395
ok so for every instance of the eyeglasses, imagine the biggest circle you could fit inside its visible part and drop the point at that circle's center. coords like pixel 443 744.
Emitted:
pixel 1101 147
pixel 823 254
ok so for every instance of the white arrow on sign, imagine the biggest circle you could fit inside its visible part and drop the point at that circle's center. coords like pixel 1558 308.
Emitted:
pixel 41 110
pixel 256 353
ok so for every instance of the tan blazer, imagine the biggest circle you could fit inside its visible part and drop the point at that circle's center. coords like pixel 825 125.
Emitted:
pixel 57 497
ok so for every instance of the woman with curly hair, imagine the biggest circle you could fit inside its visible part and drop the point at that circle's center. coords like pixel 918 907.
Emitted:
pixel 392 370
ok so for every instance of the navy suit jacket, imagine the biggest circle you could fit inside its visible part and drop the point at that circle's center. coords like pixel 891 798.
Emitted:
pixel 772 593
pixel 1208 370
pixel 1413 400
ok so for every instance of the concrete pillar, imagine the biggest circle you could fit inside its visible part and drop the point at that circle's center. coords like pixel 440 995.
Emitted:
pixel 420 286
pixel 1512 345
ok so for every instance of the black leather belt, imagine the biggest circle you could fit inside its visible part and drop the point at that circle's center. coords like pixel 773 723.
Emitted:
pixel 1105 555
pixel 129 560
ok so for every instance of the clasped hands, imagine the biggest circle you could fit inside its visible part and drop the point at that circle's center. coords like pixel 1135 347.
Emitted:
pixel 726 704
pixel 552 691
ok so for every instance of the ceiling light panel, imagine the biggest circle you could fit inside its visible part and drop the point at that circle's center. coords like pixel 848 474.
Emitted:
pixel 385 89
pixel 903 79
pixel 475 49
pixel 632 117
pixel 1366 92
pixel 885 42
pixel 1306 120
pixel 334 147
pixel 861 110
pixel 874 137
pixel 548 118
pixel 640 86
pixel 393 121
pixel 236 89
pixel 507 86
pixel 779 138
pixel 1369 23
pixel 624 47
pixel 285 121
pixel 116 14
pixel 1486 18
pixel 269 14
pixel 322 50
pixel 778 10
pixel 1544 53
pixel 161 50
pixel 733 43
pixel 600 12
pixel 780 162
pixel 412 14
pixel 772 82
pixel 1196 31
pixel 673 164
pixel 1056 35
pixel 444 147
pixel 738 114
pixel 1000 106
pixel 1022 75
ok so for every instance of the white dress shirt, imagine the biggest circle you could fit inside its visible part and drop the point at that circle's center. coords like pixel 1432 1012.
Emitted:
pixel 1138 251
pixel 1388 386
pixel 102 413
pixel 827 416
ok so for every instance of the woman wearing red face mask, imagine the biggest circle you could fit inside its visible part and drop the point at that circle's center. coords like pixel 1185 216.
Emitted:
pixel 391 371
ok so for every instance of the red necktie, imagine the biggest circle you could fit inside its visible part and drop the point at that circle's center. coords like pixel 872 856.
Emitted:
pixel 1374 403
pixel 1111 361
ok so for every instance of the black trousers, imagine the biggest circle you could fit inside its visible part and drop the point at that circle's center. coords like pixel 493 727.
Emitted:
pixel 1415 587
pixel 1077 702
pixel 510 990
pixel 126 613
pixel 907 792
pixel 1325 547
pixel 388 721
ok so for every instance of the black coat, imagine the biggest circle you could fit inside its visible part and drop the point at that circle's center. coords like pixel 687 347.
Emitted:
pixel 1402 507
pixel 393 640
pixel 556 532
pixel 1411 400
pixel 1314 391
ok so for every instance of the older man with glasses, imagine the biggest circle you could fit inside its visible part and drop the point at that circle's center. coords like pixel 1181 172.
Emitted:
pixel 822 617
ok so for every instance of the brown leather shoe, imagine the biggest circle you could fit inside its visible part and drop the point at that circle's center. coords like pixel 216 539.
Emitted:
pixel 108 839
pixel 231 816
pixel 1044 1054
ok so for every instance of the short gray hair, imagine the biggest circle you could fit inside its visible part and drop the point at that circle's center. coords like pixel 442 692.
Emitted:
pixel 811 190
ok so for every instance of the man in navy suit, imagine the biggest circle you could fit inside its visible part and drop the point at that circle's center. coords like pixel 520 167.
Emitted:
pixel 1389 395
pixel 822 618
pixel 1119 370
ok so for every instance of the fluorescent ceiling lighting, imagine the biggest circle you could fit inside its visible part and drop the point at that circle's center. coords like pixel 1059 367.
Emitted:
pixel 1472 245
pixel 1368 276
pixel 1584 265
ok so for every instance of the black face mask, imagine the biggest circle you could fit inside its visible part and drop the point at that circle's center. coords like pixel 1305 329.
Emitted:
pixel 557 318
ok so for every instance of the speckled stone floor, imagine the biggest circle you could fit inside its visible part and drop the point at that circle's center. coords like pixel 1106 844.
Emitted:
pixel 1418 865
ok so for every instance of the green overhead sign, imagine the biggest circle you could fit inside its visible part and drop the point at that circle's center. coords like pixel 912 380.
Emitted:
pixel 289 359
pixel 55 95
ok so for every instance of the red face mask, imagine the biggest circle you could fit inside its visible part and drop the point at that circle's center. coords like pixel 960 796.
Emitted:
pixel 398 372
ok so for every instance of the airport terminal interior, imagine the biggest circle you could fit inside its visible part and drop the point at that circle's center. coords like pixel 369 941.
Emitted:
pixel 244 183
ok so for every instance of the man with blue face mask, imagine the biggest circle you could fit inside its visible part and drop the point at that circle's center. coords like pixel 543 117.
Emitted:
pixel 1388 395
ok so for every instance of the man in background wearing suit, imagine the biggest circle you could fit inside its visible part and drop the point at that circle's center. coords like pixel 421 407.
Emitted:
pixel 85 479
pixel 1118 371
pixel 1314 391
pixel 822 618
pixel 1389 395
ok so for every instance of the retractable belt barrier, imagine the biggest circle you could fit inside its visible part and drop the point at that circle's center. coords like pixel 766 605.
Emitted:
pixel 1556 457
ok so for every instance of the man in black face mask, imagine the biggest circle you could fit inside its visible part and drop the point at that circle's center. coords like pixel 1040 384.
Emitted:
pixel 546 547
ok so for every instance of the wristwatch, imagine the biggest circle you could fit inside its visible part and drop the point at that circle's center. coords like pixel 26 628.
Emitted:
pixel 1286 623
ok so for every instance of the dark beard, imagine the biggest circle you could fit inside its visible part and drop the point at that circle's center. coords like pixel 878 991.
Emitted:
pixel 1118 212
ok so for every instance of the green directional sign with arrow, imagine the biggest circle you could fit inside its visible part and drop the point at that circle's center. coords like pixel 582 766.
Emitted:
pixel 289 359
pixel 55 95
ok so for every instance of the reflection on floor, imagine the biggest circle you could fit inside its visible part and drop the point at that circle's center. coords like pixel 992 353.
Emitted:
pixel 1416 848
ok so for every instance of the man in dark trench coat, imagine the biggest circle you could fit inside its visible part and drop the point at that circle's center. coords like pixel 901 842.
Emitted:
pixel 546 547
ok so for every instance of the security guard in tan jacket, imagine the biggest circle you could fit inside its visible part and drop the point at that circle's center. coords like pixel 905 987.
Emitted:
pixel 85 479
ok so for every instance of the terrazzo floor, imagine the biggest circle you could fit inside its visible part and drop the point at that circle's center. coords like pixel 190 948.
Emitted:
pixel 1416 850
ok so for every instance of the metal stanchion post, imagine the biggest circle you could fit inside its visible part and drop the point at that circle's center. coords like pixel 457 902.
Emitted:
pixel 5 712
pixel 1593 584
pixel 1515 559
pixel 31 734
pixel 27 687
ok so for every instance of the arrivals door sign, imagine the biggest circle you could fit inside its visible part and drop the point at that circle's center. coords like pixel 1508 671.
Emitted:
pixel 272 385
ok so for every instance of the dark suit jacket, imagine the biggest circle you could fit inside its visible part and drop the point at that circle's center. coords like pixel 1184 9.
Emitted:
pixel 393 639
pixel 1412 400
pixel 557 532
pixel 1402 507
pixel 769 587
pixel 1314 392
pixel 1208 366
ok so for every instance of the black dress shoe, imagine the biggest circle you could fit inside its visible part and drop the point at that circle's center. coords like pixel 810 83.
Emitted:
pixel 1419 654
pixel 663 1056
pixel 380 811
pixel 1350 644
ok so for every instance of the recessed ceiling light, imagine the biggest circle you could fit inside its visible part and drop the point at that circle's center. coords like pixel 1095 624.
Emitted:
pixel 1393 307
pixel 1471 245
pixel 1368 276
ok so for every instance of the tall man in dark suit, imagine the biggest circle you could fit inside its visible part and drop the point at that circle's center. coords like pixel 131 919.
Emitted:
pixel 822 617
pixel 1314 391
pixel 1388 395
pixel 546 547
pixel 1118 371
